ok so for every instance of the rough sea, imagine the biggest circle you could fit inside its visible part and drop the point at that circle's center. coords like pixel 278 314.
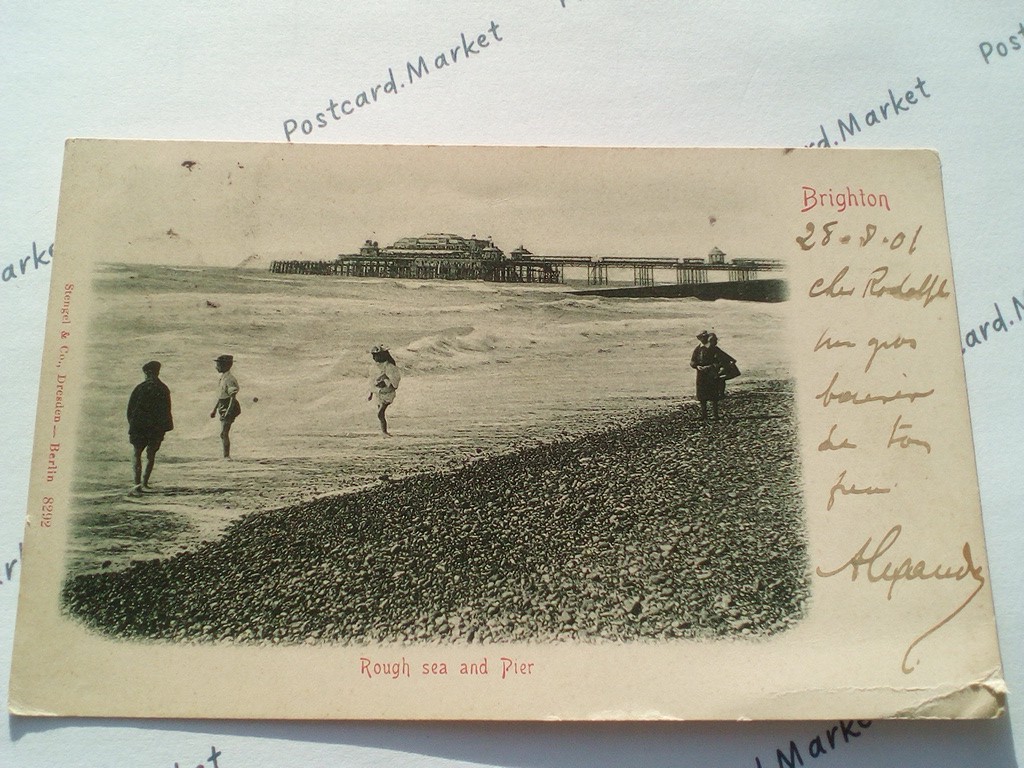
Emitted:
pixel 486 368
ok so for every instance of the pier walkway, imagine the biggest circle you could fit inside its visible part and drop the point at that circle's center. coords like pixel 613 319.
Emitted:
pixel 536 269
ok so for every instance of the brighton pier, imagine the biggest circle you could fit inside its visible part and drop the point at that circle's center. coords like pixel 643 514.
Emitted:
pixel 453 257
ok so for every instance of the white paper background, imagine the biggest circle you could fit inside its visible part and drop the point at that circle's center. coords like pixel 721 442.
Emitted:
pixel 595 72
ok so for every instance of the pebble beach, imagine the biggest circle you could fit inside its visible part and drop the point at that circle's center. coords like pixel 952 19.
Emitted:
pixel 649 527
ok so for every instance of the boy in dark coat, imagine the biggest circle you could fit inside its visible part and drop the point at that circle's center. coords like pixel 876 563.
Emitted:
pixel 149 418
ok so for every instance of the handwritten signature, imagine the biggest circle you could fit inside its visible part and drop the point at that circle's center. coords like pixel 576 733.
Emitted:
pixel 909 570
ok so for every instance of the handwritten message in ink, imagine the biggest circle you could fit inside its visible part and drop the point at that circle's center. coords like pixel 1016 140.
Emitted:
pixel 880 292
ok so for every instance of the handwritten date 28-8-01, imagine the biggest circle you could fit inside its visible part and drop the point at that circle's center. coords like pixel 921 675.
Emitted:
pixel 828 236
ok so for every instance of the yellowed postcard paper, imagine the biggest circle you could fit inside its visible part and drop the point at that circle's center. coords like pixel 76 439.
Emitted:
pixel 503 433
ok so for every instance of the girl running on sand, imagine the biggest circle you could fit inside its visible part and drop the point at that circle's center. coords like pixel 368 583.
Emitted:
pixel 384 380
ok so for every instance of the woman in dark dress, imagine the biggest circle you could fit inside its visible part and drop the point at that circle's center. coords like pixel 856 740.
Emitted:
pixel 713 366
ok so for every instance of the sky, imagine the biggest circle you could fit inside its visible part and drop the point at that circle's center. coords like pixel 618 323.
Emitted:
pixel 220 204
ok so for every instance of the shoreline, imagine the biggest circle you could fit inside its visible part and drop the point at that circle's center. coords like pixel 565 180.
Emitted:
pixel 485 369
pixel 762 290
pixel 663 528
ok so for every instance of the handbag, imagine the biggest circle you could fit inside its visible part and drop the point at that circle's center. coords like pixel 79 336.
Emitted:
pixel 728 369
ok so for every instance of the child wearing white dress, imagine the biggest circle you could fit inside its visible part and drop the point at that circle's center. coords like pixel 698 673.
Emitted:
pixel 384 381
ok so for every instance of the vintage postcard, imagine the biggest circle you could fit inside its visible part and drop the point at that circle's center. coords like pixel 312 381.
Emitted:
pixel 503 433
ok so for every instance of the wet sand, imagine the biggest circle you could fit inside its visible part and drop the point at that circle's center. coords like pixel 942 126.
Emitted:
pixel 655 527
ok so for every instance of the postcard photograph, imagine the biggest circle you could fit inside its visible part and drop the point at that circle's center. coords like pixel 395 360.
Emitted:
pixel 429 413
